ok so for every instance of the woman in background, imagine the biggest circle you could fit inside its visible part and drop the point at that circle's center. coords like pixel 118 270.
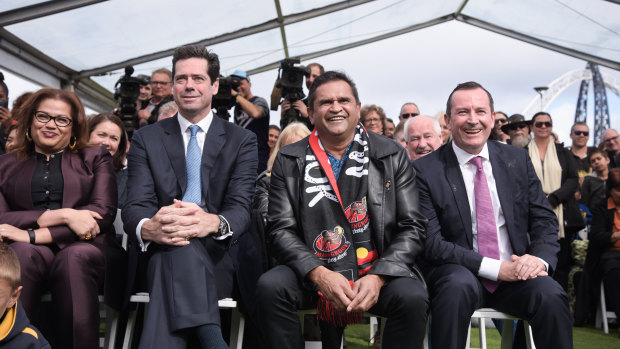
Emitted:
pixel 108 130
pixel 373 118
pixel 557 171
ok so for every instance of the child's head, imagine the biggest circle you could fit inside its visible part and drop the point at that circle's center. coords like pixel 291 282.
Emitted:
pixel 9 278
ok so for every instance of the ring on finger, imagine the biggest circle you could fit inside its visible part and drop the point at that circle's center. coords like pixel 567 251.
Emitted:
pixel 88 237
pixel 188 237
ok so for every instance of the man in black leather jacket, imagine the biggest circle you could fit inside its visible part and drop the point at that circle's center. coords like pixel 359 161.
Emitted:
pixel 312 261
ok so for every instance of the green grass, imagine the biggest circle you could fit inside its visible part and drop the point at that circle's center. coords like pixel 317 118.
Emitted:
pixel 583 338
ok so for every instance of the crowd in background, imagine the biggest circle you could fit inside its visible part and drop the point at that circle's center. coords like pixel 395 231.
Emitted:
pixel 581 183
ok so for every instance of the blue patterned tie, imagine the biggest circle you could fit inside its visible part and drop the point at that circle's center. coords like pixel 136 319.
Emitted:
pixel 192 166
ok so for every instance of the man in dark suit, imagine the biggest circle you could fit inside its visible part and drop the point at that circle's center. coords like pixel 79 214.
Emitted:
pixel 190 186
pixel 492 236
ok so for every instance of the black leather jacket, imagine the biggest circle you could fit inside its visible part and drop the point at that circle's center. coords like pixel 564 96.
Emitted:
pixel 397 225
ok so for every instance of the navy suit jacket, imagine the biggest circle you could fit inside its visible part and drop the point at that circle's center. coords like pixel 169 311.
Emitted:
pixel 530 222
pixel 156 176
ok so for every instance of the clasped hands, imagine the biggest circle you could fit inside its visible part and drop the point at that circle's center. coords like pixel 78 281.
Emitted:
pixel 521 268
pixel 337 290
pixel 178 223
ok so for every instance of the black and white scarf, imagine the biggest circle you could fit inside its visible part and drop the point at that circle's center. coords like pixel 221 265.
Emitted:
pixel 335 216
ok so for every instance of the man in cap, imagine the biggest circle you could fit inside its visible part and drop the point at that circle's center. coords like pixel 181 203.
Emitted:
pixel 252 113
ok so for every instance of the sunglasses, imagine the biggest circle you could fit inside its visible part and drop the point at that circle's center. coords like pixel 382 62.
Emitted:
pixel 581 133
pixel 540 124
pixel 514 127
pixel 500 121
pixel 610 139
pixel 407 115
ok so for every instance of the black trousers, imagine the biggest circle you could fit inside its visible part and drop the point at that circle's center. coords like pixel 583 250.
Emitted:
pixel 404 301
pixel 183 295
pixel 456 293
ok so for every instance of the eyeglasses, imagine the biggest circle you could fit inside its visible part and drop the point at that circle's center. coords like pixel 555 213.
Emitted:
pixel 160 83
pixel 610 139
pixel 368 121
pixel 407 115
pixel 500 121
pixel 581 133
pixel 514 127
pixel 540 124
pixel 60 120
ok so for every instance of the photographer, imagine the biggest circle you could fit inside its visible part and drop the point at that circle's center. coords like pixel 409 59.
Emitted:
pixel 301 105
pixel 252 113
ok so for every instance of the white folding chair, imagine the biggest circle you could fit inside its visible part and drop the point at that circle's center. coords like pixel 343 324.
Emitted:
pixel 237 322
pixel 507 329
pixel 602 314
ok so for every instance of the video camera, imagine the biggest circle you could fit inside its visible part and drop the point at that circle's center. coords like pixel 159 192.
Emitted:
pixel 290 85
pixel 224 99
pixel 126 92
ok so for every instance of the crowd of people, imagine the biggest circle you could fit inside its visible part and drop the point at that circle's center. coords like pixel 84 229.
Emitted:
pixel 345 211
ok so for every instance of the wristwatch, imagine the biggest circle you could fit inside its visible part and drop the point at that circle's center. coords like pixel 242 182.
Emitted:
pixel 224 228
pixel 31 235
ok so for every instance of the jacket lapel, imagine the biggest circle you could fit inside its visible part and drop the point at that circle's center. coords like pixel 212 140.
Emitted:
pixel 173 143
pixel 214 141
pixel 502 183
pixel 455 180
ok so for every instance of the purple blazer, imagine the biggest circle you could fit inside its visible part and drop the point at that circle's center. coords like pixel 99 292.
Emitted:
pixel 89 184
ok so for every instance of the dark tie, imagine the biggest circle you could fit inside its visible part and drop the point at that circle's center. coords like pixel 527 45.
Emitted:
pixel 487 231
pixel 192 165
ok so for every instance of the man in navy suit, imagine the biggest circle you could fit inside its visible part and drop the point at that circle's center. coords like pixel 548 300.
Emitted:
pixel 190 186
pixel 492 236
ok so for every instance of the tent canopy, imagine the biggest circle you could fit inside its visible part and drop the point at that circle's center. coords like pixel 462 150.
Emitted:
pixel 85 44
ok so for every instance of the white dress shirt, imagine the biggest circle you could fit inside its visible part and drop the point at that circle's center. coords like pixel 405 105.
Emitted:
pixel 204 125
pixel 489 268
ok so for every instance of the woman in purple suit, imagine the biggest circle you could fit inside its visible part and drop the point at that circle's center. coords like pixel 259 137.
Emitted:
pixel 57 204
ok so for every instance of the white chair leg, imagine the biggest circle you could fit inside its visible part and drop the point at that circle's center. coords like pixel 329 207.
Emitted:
pixel 374 326
pixel 467 342
pixel 482 334
pixel 237 327
pixel 129 330
pixel 111 328
pixel 507 330
pixel 529 337
pixel 604 309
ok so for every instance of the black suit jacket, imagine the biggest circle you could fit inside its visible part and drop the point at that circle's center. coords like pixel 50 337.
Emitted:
pixel 156 176
pixel 443 199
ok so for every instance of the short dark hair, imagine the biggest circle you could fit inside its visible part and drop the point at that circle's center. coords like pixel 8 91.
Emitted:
pixel 578 123
pixel 613 180
pixel 328 77
pixel 597 151
pixel 321 69
pixel 274 127
pixel 539 114
pixel 470 85
pixel 198 51
pixel 118 157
